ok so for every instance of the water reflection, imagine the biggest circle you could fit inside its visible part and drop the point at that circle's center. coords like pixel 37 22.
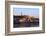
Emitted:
pixel 25 21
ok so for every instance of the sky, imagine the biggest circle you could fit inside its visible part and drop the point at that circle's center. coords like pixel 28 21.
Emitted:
pixel 26 11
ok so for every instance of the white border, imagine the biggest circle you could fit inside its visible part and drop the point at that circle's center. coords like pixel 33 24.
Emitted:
pixel 26 28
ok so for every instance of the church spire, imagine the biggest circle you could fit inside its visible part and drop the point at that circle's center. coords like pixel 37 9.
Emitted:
pixel 21 13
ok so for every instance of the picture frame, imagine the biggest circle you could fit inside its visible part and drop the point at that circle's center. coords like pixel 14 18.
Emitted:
pixel 9 5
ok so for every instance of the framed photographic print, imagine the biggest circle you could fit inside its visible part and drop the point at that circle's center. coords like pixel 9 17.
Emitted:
pixel 25 17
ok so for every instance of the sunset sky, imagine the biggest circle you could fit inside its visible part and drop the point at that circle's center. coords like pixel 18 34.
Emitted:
pixel 26 11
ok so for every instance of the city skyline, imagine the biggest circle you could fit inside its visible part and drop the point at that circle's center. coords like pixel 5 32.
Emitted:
pixel 26 11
